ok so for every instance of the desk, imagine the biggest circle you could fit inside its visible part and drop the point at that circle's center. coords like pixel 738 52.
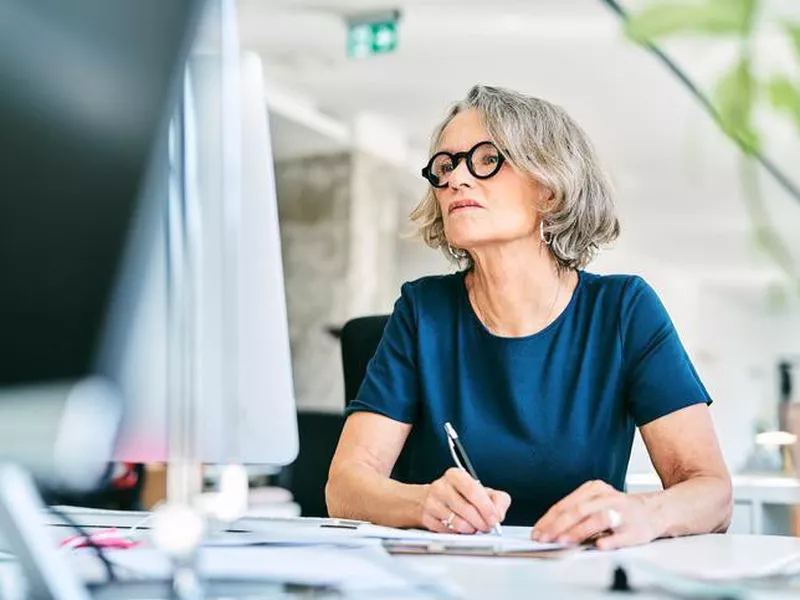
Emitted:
pixel 587 575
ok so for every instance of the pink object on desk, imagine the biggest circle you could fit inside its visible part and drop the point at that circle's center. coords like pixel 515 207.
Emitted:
pixel 109 538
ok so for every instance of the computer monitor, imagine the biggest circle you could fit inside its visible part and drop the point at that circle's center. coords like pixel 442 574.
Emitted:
pixel 87 87
pixel 87 91
pixel 255 422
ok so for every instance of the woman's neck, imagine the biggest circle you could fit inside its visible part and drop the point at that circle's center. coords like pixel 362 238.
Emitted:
pixel 517 290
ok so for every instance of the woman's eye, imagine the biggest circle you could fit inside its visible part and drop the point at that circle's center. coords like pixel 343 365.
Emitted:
pixel 490 159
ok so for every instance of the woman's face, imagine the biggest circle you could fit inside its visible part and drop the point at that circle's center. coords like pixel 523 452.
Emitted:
pixel 480 212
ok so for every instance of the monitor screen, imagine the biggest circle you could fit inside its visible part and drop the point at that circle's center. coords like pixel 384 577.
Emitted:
pixel 87 89
pixel 253 421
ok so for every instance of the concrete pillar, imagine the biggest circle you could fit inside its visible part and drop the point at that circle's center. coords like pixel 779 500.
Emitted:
pixel 339 230
pixel 314 207
pixel 376 187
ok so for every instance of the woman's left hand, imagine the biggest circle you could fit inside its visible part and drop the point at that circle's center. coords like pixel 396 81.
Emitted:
pixel 596 508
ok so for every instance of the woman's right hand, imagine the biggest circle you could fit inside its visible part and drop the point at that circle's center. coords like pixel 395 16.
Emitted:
pixel 456 503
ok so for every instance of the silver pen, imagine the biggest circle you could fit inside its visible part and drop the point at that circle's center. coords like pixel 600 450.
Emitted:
pixel 463 462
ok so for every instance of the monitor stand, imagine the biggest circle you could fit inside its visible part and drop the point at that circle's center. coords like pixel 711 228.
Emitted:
pixel 47 573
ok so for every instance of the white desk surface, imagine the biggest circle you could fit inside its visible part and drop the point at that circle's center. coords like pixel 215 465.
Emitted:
pixel 588 574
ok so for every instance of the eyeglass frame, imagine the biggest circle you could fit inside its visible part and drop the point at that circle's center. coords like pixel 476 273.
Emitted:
pixel 456 158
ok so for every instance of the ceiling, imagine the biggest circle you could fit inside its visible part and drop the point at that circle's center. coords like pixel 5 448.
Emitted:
pixel 678 178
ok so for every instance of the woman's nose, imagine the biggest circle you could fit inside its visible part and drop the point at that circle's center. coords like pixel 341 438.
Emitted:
pixel 460 175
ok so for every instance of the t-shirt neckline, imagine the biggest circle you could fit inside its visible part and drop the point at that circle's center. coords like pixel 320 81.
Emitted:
pixel 541 333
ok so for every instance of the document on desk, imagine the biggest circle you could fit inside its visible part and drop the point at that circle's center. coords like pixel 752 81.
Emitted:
pixel 333 531
pixel 514 539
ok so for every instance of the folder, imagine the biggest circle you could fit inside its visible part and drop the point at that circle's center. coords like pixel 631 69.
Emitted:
pixel 462 549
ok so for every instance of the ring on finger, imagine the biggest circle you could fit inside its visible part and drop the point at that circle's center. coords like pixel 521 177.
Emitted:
pixel 448 522
pixel 614 518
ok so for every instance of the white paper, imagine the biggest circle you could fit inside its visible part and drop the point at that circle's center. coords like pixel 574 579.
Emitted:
pixel 281 537
pixel 514 539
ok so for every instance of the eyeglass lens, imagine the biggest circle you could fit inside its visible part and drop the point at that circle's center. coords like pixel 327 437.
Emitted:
pixel 482 161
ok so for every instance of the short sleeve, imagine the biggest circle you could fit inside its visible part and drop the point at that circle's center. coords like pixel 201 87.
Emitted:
pixel 390 384
pixel 659 376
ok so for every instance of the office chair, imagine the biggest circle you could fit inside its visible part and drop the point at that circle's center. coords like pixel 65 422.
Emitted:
pixel 319 431
pixel 305 478
pixel 360 338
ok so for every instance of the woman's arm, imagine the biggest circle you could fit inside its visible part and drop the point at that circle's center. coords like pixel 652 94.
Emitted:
pixel 359 486
pixel 697 495
pixel 696 498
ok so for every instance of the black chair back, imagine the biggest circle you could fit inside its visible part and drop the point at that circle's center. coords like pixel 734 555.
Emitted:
pixel 360 338
pixel 319 431
pixel 306 477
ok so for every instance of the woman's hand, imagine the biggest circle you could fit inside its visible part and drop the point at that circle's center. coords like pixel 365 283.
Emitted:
pixel 596 508
pixel 456 503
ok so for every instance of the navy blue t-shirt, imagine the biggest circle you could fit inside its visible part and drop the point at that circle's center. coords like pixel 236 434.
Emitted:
pixel 538 415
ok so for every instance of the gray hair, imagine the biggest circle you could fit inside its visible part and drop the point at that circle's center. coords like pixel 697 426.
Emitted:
pixel 542 141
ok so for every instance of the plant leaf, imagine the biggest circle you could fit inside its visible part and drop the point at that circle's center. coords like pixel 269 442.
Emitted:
pixel 785 96
pixel 716 17
pixel 734 98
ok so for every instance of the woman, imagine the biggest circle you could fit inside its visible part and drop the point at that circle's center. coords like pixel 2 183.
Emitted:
pixel 543 369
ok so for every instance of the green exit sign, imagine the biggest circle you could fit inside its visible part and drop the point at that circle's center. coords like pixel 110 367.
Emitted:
pixel 372 35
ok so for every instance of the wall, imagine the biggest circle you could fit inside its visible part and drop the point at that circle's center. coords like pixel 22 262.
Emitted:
pixel 313 203
pixel 414 258
pixel 339 230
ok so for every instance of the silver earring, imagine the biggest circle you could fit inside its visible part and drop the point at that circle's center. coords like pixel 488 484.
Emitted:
pixel 545 239
pixel 458 255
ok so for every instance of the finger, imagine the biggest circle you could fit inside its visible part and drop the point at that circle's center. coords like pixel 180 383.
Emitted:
pixel 501 501
pixel 457 524
pixel 474 492
pixel 584 493
pixel 622 539
pixel 461 525
pixel 592 525
pixel 569 525
pixel 431 523
pixel 434 515
pixel 476 495
pixel 441 511
pixel 464 509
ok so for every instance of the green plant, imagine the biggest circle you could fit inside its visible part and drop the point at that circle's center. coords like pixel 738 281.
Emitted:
pixel 736 95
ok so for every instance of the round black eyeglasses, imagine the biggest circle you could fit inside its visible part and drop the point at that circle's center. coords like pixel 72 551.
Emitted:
pixel 483 161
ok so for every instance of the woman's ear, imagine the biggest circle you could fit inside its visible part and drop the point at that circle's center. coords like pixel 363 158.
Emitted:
pixel 546 198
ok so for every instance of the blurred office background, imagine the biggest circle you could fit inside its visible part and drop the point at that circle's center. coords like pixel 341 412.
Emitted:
pixel 351 131
pixel 351 91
